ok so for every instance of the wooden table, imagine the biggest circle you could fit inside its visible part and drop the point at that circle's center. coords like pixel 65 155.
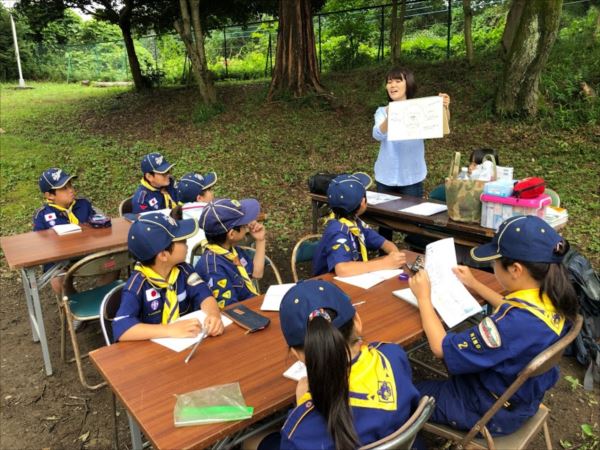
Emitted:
pixel 146 376
pixel 28 250
pixel 437 226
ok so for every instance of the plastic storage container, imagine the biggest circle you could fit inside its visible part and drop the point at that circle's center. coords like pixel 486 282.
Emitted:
pixel 495 210
pixel 499 188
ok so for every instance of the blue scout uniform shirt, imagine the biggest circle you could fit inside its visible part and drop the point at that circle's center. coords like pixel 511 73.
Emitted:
pixel 338 245
pixel 141 302
pixel 382 398
pixel 223 278
pixel 47 216
pixel 484 360
pixel 145 200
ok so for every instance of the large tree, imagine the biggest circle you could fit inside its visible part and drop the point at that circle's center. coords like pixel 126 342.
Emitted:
pixel 530 31
pixel 397 30
pixel 468 17
pixel 296 69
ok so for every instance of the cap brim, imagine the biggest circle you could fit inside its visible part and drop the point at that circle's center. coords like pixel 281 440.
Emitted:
pixel 364 178
pixel 163 168
pixel 64 182
pixel 186 229
pixel 210 179
pixel 486 252
pixel 250 207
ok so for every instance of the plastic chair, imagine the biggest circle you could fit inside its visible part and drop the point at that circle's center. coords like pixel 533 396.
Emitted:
pixel 522 437
pixel 438 193
pixel 126 206
pixel 268 263
pixel 404 437
pixel 85 305
pixel 554 196
pixel 303 252
pixel 197 251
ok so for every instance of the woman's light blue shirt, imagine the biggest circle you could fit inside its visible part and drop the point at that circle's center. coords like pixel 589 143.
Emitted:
pixel 399 163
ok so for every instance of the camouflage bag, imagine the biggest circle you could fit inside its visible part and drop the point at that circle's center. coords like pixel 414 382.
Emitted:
pixel 463 196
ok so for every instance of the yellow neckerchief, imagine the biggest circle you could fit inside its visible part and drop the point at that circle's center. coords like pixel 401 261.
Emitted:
pixel 372 383
pixel 543 308
pixel 171 307
pixel 169 202
pixel 232 256
pixel 353 228
pixel 72 217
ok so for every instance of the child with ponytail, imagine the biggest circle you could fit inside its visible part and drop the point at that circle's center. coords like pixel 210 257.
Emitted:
pixel 484 360
pixel 355 393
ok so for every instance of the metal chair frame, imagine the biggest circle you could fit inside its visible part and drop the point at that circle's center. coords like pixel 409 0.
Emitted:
pixel 268 262
pixel 294 260
pixel 126 206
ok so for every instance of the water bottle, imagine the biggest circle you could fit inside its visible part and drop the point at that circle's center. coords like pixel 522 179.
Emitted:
pixel 464 174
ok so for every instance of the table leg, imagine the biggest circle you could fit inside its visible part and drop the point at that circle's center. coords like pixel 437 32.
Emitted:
pixel 27 290
pixel 35 315
pixel 136 434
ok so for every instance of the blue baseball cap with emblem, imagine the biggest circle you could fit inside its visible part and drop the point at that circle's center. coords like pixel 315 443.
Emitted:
pixel 347 191
pixel 192 185
pixel 54 178
pixel 155 162
pixel 222 215
pixel 310 298
pixel 523 238
pixel 152 233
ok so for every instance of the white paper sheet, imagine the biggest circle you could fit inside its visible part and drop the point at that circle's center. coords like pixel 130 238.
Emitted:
pixel 180 344
pixel 274 295
pixel 296 371
pixel 374 198
pixel 425 209
pixel 419 118
pixel 370 279
pixel 449 296
pixel 407 296
pixel 67 228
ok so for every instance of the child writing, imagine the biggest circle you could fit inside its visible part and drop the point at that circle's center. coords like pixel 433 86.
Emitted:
pixel 228 269
pixel 157 187
pixel 355 393
pixel 162 286
pixel 484 360
pixel 400 167
pixel 346 239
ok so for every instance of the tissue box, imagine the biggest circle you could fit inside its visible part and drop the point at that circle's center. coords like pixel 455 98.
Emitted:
pixel 499 188
pixel 495 209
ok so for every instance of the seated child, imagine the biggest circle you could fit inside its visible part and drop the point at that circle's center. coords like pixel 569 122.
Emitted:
pixel 355 393
pixel 162 286
pixel 477 156
pixel 484 360
pixel 157 187
pixel 194 191
pixel 227 269
pixel 346 239
pixel 61 208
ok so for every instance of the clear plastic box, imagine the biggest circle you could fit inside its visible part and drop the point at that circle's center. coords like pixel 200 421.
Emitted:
pixel 495 210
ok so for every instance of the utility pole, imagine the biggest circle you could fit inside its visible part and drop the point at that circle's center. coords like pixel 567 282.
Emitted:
pixel 14 33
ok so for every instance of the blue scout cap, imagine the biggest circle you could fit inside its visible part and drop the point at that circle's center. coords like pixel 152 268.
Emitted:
pixel 522 238
pixel 306 300
pixel 347 191
pixel 152 233
pixel 155 162
pixel 54 178
pixel 222 215
pixel 192 185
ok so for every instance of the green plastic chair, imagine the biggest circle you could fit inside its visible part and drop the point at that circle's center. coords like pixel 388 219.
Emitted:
pixel 554 196
pixel 303 252
pixel 438 193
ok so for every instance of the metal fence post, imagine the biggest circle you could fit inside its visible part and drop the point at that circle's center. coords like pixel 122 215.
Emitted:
pixel 449 25
pixel 225 51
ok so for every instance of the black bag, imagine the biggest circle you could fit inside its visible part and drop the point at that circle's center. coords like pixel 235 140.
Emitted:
pixel 319 182
pixel 586 282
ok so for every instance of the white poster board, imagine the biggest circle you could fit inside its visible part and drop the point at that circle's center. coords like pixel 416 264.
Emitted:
pixel 419 118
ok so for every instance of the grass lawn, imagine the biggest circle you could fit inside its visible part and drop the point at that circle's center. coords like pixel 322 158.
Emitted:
pixel 268 151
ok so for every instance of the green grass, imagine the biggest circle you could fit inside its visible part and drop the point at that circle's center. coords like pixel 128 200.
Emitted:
pixel 268 151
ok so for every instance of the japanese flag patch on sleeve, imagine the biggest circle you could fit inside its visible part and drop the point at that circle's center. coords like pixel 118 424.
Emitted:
pixel 50 217
pixel 152 294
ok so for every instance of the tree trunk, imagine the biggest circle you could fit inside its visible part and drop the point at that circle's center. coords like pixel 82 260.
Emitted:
pixel 529 41
pixel 397 30
pixel 134 64
pixel 468 13
pixel 296 69
pixel 190 29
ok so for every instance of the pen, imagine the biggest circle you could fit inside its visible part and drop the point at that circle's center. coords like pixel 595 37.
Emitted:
pixel 203 334
pixel 359 303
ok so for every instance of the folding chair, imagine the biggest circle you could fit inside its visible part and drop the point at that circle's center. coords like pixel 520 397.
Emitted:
pixel 404 437
pixel 268 264
pixel 303 252
pixel 523 436
pixel 85 305
pixel 554 196
pixel 438 193
pixel 197 251
pixel 126 206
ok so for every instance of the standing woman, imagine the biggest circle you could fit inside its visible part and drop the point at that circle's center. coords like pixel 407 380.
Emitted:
pixel 400 167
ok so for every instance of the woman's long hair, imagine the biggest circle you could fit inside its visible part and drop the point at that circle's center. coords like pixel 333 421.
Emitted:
pixel 328 361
